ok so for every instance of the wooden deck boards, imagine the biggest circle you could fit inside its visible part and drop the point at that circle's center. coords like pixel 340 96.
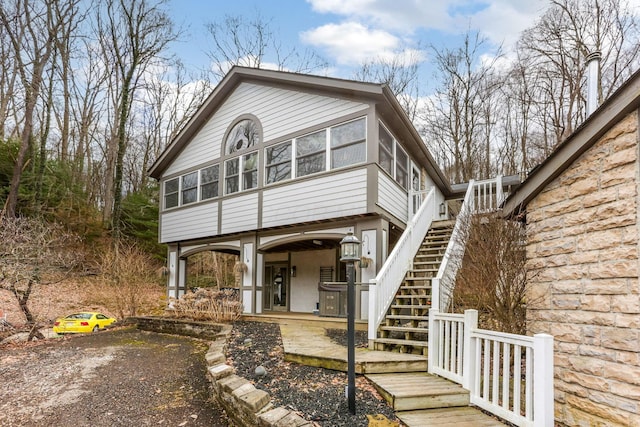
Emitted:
pixel 458 417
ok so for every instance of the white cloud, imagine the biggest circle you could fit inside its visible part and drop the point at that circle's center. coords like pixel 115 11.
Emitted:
pixel 351 43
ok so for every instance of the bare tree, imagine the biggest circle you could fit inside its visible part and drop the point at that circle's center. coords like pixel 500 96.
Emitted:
pixel 34 253
pixel 458 114
pixel 32 28
pixel 237 40
pixel 400 74
pixel 133 35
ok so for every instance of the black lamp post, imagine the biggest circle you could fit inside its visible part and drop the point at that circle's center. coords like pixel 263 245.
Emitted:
pixel 350 253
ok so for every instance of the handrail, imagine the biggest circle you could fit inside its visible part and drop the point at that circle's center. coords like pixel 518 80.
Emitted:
pixel 399 261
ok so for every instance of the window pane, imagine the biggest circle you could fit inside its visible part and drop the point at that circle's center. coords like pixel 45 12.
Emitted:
pixel 171 186
pixel 279 153
pixel 209 191
pixel 278 160
pixel 310 144
pixel 209 178
pixel 250 171
pixel 401 167
pixel 348 155
pixel 385 150
pixel 278 172
pixel 348 133
pixel 190 181
pixel 311 164
pixel 209 174
pixel 171 200
pixel 244 134
pixel 189 196
pixel 231 172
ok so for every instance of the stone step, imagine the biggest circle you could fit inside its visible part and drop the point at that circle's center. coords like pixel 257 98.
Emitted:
pixel 411 391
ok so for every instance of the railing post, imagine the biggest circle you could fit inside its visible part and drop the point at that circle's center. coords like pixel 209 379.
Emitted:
pixel 373 311
pixel 468 352
pixel 435 294
pixel 433 339
pixel 543 410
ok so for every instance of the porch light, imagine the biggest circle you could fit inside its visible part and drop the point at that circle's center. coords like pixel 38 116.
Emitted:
pixel 443 209
pixel 349 248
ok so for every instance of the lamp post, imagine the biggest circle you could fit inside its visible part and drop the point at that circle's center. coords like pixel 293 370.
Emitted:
pixel 349 254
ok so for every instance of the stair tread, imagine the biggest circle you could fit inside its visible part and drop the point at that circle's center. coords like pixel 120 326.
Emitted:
pixel 405 329
pixel 407 317
pixel 398 341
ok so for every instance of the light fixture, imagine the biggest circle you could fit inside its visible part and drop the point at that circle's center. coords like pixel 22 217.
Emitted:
pixel 349 248
pixel 443 209
pixel 293 271
pixel 317 242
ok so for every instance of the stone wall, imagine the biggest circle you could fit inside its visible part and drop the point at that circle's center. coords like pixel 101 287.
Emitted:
pixel 583 255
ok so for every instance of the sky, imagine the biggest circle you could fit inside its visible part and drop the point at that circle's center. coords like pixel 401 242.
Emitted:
pixel 347 32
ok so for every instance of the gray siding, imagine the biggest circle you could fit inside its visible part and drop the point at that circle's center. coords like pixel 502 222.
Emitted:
pixel 329 196
pixel 240 213
pixel 280 111
pixel 196 221
pixel 391 197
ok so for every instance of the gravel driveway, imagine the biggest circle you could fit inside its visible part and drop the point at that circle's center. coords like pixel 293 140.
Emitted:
pixel 118 378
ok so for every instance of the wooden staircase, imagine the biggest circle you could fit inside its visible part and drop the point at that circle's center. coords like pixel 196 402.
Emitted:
pixel 406 325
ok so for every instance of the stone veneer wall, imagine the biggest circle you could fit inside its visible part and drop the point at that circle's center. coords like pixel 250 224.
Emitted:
pixel 583 254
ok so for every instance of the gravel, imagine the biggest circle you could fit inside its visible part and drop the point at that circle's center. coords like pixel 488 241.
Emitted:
pixel 315 393
pixel 127 377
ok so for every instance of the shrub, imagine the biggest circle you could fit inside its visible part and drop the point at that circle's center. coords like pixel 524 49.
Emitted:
pixel 208 304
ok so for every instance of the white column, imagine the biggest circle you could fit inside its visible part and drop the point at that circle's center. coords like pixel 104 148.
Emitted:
pixel 543 410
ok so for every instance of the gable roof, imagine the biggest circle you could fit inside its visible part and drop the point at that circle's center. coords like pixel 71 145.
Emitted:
pixel 380 94
pixel 623 101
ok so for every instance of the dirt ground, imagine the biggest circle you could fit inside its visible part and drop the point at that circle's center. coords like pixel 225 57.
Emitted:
pixel 116 378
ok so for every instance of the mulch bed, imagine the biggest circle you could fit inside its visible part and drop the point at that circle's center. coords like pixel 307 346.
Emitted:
pixel 317 394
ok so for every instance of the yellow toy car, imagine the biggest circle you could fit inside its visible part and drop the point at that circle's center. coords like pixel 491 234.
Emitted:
pixel 82 323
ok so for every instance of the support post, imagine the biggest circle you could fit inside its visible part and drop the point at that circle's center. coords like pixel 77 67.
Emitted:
pixel 434 339
pixel 543 410
pixel 468 349
pixel 351 333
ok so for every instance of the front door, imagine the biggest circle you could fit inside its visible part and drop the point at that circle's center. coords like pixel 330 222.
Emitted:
pixel 276 287
pixel 416 198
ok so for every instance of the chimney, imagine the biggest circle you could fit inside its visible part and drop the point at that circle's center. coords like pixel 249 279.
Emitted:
pixel 593 81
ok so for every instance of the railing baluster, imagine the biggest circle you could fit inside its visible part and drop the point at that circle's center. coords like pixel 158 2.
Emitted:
pixel 496 373
pixel 485 374
pixel 528 383
pixel 506 375
pixel 517 379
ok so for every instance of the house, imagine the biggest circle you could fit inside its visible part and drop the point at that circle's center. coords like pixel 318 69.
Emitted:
pixel 582 217
pixel 277 167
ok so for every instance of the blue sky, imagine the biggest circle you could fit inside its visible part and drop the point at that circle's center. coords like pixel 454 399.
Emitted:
pixel 348 32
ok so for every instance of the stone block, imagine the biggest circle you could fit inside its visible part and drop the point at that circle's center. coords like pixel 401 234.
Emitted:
pixel 582 187
pixel 621 339
pixel 556 247
pixel 615 269
pixel 565 332
pixel 628 321
pixel 623 373
pixel 595 302
pixel 255 399
pixel 566 302
pixel 243 389
pixel 587 365
pixel 607 414
pixel 598 352
pixel 620 158
pixel 562 208
pixel 626 304
pixel 231 382
pixel 570 272
pixel 600 197
pixel 626 390
pixel 621 175
pixel 271 417
pixel 588 381
pixel 598 240
pixel 606 286
pixel 567 287
pixel 214 357
pixel 216 372
pixel 550 196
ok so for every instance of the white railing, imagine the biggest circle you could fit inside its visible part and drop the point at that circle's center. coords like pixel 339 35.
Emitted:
pixel 395 267
pixel 489 194
pixel 491 366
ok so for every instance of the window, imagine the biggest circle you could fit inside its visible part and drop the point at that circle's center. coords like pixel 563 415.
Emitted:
pixel 348 144
pixel 278 162
pixel 401 167
pixel 190 188
pixel 244 134
pixel 171 188
pixel 311 153
pixel 250 171
pixel 231 176
pixel 385 150
pixel 209 178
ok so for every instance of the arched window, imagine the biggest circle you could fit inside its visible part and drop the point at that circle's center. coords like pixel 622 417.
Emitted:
pixel 244 134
